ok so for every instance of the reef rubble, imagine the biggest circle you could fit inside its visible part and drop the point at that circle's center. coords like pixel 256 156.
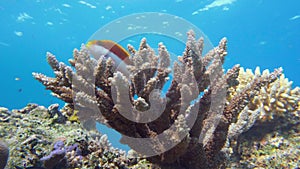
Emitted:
pixel 37 139
pixel 31 144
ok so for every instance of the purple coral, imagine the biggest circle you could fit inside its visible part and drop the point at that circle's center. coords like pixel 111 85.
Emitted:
pixel 57 158
pixel 59 145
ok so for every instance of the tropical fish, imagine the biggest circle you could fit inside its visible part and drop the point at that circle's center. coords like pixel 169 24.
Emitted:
pixel 109 49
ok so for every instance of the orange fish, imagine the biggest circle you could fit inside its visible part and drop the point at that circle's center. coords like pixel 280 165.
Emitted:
pixel 108 48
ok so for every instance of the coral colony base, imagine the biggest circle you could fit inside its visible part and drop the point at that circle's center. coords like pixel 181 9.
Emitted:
pixel 204 129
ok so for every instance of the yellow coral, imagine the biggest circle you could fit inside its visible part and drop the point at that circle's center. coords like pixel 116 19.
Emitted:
pixel 74 117
pixel 274 99
pixel 70 113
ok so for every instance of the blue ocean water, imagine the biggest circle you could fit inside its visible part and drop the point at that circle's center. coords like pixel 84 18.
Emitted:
pixel 260 33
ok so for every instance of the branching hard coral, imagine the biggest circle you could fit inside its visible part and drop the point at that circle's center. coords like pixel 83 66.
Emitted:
pixel 275 99
pixel 104 155
pixel 275 107
pixel 185 129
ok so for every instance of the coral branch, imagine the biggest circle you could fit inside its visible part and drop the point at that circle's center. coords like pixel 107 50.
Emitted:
pixel 186 128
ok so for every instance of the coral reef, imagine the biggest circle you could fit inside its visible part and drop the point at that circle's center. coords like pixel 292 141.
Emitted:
pixel 269 116
pixel 37 139
pixel 275 99
pixel 58 159
pixel 279 149
pixel 185 129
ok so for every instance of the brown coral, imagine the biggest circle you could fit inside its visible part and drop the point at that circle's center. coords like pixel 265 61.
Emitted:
pixel 185 129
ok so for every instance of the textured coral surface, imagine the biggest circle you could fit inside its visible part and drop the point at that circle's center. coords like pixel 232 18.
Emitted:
pixel 275 147
pixel 278 149
pixel 275 99
pixel 32 132
pixel 185 129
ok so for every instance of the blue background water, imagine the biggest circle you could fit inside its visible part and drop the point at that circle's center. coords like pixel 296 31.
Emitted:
pixel 260 33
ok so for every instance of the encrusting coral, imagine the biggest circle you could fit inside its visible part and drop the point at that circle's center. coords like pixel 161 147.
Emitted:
pixel 279 149
pixel 185 129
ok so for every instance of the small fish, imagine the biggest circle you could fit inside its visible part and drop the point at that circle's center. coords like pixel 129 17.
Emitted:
pixel 110 49
pixel 4 44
